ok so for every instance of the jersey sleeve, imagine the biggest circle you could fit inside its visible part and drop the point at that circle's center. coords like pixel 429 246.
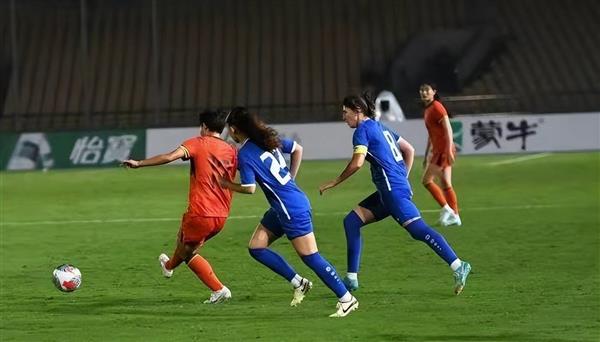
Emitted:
pixel 246 172
pixel 360 140
pixel 288 145
pixel 189 148
pixel 439 112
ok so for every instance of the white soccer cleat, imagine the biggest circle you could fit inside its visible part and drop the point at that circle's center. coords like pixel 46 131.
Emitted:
pixel 163 259
pixel 220 296
pixel 452 220
pixel 301 291
pixel 344 309
pixel 445 213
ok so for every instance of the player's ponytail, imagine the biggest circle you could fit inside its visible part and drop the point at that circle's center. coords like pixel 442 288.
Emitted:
pixel 361 103
pixel 257 131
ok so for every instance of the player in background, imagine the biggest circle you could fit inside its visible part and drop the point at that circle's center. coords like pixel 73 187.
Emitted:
pixel 211 158
pixel 379 146
pixel 440 154
pixel 261 162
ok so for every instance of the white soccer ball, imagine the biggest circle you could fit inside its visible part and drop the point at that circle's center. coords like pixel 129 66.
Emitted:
pixel 66 278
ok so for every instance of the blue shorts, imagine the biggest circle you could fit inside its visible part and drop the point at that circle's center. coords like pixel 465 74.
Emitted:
pixel 397 204
pixel 298 225
pixel 374 204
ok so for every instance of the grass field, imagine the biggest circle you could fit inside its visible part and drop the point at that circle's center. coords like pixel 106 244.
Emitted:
pixel 530 229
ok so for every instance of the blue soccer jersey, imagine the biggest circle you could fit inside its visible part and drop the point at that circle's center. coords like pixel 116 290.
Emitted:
pixel 380 145
pixel 269 170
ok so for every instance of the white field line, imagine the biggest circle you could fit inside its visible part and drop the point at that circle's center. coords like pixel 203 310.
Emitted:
pixel 242 217
pixel 520 159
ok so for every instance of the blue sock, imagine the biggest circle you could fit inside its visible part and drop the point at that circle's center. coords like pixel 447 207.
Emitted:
pixel 352 224
pixel 419 230
pixel 326 272
pixel 273 261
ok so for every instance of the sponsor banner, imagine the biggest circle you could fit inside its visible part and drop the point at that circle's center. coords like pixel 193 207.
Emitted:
pixel 29 151
pixel 482 134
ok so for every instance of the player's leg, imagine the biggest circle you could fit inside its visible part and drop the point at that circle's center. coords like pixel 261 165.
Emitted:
pixel 169 264
pixel 195 234
pixel 306 247
pixel 407 214
pixel 368 211
pixel 450 195
pixel 433 171
pixel 265 233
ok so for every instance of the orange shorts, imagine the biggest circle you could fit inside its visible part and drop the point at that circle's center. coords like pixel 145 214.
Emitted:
pixel 441 159
pixel 198 229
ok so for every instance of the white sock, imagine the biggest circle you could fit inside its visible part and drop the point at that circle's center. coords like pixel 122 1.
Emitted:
pixel 352 276
pixel 447 208
pixel 455 264
pixel 346 298
pixel 296 280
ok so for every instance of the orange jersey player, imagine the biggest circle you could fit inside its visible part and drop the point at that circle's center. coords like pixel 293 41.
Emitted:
pixel 439 155
pixel 211 159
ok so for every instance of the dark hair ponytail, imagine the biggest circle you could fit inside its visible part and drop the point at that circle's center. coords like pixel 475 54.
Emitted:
pixel 257 131
pixel 361 103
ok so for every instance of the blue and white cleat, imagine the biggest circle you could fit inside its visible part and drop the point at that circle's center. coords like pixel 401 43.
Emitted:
pixel 460 277
pixel 351 284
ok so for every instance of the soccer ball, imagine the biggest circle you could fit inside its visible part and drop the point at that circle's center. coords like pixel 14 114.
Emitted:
pixel 66 278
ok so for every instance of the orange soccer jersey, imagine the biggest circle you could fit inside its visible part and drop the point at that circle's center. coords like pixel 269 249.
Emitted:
pixel 210 158
pixel 434 114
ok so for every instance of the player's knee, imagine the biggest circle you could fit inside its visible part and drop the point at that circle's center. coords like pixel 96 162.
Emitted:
pixel 426 181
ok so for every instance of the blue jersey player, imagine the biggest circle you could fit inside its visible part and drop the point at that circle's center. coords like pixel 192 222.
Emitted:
pixel 380 147
pixel 260 161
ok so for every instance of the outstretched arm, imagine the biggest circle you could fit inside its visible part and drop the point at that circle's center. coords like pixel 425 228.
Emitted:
pixel 296 160
pixel 357 161
pixel 156 160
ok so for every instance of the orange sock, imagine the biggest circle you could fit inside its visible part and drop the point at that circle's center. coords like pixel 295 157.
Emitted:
pixel 173 262
pixel 451 199
pixel 204 271
pixel 437 193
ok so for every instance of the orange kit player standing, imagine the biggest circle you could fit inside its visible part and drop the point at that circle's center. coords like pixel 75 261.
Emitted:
pixel 210 159
pixel 439 155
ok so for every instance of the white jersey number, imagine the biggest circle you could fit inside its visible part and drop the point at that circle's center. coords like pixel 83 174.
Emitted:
pixel 393 146
pixel 277 165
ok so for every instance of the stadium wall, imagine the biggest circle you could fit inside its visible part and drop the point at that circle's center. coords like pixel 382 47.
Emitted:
pixel 478 134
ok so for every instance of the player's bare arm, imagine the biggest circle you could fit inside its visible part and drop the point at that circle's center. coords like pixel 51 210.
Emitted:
pixel 237 187
pixel 357 161
pixel 160 159
pixel 408 154
pixel 296 160
pixel 449 136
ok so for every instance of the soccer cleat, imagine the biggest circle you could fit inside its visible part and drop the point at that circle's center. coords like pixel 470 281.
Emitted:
pixel 452 220
pixel 460 277
pixel 163 259
pixel 301 291
pixel 344 309
pixel 445 214
pixel 351 284
pixel 220 296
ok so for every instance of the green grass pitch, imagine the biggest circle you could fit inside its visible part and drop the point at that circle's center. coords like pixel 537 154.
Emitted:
pixel 530 229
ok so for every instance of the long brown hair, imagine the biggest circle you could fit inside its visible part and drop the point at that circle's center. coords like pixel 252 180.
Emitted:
pixel 257 131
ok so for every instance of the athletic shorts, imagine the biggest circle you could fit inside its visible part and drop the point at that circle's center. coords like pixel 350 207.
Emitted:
pixel 198 229
pixel 441 159
pixel 375 205
pixel 298 224
pixel 400 207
